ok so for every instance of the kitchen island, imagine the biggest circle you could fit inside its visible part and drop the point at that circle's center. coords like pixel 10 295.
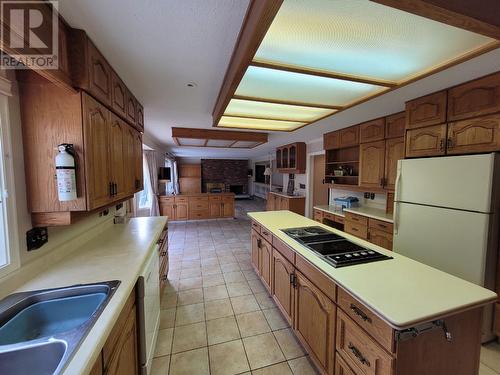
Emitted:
pixel 395 316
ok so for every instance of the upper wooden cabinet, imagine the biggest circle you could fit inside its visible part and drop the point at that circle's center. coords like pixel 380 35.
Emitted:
pixel 108 152
pixel 475 98
pixel 428 141
pixel 481 134
pixel 331 141
pixel 426 110
pixel 349 136
pixel 394 151
pixel 92 73
pixel 372 131
pixel 395 125
pixel 371 164
pixel 291 158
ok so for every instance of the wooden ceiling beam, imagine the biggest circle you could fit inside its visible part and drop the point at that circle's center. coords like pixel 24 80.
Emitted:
pixel 221 135
pixel 322 73
pixel 260 14
pixel 287 102
pixel 480 17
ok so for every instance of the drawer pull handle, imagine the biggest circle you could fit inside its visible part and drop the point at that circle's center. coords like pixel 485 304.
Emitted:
pixel 356 310
pixel 358 355
pixel 163 253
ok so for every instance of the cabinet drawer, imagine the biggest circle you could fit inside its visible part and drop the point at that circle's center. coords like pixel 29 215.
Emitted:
pixel 198 206
pixel 198 215
pixel 367 320
pixel 380 238
pixel 226 198
pixel 181 199
pixel 372 131
pixel 341 368
pixel 356 229
pixel 359 350
pixel 318 278
pixel 475 98
pixel 167 199
pixel 255 227
pixel 380 224
pixel 329 216
pixel 318 215
pixel 213 198
pixel 427 110
pixel 339 219
pixel 266 234
pixel 356 218
pixel 199 199
pixel 284 249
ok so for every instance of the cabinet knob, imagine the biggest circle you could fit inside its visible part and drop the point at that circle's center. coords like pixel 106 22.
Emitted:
pixel 441 145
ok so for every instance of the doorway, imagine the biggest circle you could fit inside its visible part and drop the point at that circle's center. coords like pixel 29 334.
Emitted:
pixel 320 190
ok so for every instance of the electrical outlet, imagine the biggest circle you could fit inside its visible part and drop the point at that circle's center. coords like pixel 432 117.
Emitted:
pixel 36 238
pixel 372 196
pixel 302 186
pixel 367 195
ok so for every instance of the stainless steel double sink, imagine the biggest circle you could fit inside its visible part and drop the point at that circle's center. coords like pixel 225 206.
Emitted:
pixel 40 330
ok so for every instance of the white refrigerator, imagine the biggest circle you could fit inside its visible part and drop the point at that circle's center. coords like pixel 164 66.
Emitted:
pixel 446 216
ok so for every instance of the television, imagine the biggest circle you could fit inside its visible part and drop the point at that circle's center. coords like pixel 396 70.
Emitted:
pixel 164 173
pixel 259 173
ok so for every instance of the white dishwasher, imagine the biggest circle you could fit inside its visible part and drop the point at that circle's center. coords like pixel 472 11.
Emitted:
pixel 148 301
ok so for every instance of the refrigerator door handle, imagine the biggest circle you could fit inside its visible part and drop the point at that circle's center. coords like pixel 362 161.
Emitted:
pixel 396 217
pixel 397 183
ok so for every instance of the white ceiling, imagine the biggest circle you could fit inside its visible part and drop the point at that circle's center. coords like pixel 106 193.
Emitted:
pixel 158 46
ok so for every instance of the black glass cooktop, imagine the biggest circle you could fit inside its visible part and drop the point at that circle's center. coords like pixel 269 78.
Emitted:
pixel 334 249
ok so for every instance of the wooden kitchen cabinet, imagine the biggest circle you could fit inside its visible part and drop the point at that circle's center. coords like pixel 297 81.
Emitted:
pixel 265 262
pixel 394 151
pixel 282 284
pixel 119 158
pixel 119 94
pixel 480 134
pixel 314 322
pixel 228 208
pixel 349 136
pixel 372 164
pixel 291 158
pixel 97 368
pixel 341 368
pixel 255 252
pixel 380 238
pixel 331 140
pixel 277 202
pixel 131 108
pixel 475 98
pixel 395 125
pixel 372 131
pixel 428 141
pixel 426 110
pixel 139 121
pixel 197 206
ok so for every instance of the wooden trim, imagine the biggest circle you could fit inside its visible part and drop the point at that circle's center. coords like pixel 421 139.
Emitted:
pixel 322 73
pixel 287 102
pixel 5 86
pixel 478 18
pixel 260 14
pixel 223 135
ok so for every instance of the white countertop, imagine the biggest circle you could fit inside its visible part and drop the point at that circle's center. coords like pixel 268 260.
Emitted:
pixel 373 212
pixel 118 253
pixel 401 291
pixel 286 195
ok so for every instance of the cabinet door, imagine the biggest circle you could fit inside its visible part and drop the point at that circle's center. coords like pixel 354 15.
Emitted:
pixel 341 368
pixel 271 202
pixel 349 137
pixel 266 255
pixel 131 108
pixel 380 238
pixel 315 322
pixel 181 211
pixel 96 139
pixel 371 164
pixel 215 209
pixel 139 121
pixel 394 151
pixel 282 286
pixel 429 141
pixel 256 240
pixel 167 209
pixel 228 209
pixel 278 158
pixel 292 157
pixel 427 110
pixel 372 131
pixel 118 95
pixel 118 155
pixel 395 125
pixel 124 357
pixel 481 134
pixel 331 141
pixel 99 75
pixel 476 98
pixel 139 171
pixel 284 158
pixel 129 161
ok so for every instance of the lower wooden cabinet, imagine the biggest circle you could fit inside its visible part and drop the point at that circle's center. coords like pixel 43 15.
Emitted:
pixel 380 238
pixel 282 286
pixel 341 368
pixel 262 253
pixel 197 206
pixel 277 202
pixel 429 141
pixel 314 322
pixel 378 232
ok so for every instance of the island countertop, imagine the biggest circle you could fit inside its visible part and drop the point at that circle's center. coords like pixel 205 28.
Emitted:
pixel 401 291
pixel 118 252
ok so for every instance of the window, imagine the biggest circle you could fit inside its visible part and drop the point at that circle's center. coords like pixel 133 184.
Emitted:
pixel 9 254
pixel 145 197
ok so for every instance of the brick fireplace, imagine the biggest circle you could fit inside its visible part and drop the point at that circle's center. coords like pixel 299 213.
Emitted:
pixel 232 174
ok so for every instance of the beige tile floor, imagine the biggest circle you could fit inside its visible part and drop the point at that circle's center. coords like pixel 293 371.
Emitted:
pixel 217 318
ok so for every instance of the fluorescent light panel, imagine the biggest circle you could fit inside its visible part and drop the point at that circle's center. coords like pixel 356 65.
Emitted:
pixel 248 108
pixel 191 142
pixel 281 85
pixel 219 143
pixel 361 38
pixel 250 123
